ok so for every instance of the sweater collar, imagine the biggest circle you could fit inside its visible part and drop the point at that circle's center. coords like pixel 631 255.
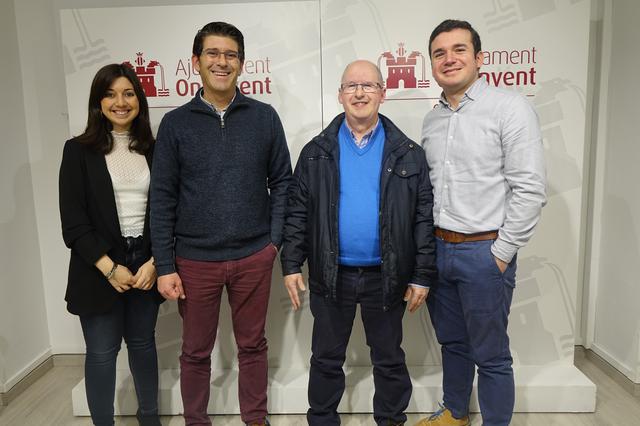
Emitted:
pixel 198 104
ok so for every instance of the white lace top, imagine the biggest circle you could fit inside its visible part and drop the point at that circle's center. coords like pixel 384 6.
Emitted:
pixel 130 178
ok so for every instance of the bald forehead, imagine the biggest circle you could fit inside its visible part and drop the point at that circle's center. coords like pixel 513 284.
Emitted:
pixel 362 70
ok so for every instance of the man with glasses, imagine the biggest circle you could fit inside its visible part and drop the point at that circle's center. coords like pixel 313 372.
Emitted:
pixel 360 213
pixel 218 195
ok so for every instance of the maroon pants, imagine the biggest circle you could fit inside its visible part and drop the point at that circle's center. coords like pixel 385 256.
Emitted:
pixel 248 282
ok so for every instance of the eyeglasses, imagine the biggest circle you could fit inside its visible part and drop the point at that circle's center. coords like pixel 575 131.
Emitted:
pixel 229 55
pixel 368 87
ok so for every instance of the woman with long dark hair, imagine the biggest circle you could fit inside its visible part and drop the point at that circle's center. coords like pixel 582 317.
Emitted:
pixel 104 185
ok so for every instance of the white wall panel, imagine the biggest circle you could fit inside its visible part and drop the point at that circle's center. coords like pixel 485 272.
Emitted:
pixel 24 336
pixel 617 317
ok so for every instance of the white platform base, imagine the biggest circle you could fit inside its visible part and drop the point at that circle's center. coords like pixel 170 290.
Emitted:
pixel 558 388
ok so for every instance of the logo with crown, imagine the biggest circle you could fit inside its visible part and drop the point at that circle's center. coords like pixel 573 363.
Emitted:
pixel 402 69
pixel 149 76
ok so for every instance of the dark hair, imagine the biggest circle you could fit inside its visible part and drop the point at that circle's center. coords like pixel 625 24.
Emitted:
pixel 98 131
pixel 220 29
pixel 452 24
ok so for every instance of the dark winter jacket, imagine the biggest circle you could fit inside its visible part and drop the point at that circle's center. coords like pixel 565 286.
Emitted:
pixel 407 244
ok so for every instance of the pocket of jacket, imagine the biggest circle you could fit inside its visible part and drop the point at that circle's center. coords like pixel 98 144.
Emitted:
pixel 406 170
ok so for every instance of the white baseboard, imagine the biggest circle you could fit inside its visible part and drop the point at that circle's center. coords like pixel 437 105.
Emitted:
pixel 622 368
pixel 24 372
pixel 21 381
pixel 556 388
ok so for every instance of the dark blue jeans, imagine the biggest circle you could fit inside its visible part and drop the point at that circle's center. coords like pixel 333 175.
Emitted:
pixel 132 317
pixel 469 310
pixel 332 325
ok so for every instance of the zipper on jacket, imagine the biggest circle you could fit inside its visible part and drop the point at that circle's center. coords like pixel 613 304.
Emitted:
pixel 388 164
pixel 335 238
pixel 222 121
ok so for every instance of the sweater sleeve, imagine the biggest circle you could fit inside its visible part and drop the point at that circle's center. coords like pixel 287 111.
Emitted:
pixel 163 198
pixel 279 178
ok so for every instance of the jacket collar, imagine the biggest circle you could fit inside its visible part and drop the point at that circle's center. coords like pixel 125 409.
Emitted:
pixel 395 139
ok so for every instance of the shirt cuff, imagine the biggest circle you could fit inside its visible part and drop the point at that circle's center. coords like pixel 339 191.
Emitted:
pixel 418 285
pixel 503 250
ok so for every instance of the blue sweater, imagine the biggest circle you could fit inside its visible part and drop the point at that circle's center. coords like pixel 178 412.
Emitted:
pixel 359 205
pixel 218 188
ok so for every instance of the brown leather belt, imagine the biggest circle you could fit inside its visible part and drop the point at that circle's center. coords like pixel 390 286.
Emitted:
pixel 459 237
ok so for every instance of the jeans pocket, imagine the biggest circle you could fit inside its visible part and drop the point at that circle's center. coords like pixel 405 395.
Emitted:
pixel 508 276
pixel 492 260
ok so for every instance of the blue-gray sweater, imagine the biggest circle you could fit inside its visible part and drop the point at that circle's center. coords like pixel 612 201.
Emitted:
pixel 218 187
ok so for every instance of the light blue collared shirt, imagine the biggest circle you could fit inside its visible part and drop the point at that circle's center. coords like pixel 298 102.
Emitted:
pixel 365 139
pixel 486 166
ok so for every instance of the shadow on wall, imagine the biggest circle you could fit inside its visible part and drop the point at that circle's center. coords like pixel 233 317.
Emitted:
pixel 543 311
pixel 555 101
pixel 618 319
pixel 4 348
pixel 22 272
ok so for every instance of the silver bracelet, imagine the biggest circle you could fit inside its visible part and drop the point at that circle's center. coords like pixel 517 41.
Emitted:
pixel 112 271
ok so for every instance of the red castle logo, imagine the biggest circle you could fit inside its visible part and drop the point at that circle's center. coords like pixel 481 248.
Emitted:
pixel 147 76
pixel 401 69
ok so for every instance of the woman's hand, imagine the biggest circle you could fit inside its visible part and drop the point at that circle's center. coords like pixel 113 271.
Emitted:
pixel 122 279
pixel 146 276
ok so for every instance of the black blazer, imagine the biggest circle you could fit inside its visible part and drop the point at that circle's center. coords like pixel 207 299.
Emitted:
pixel 90 228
